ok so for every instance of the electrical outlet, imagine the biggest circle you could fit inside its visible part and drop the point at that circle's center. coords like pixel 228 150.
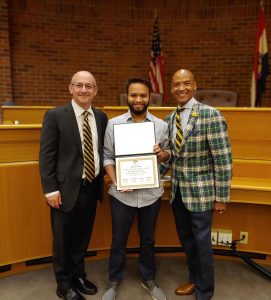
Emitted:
pixel 214 236
pixel 244 234
pixel 224 237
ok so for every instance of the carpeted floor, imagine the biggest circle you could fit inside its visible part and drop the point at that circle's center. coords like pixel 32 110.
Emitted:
pixel 235 280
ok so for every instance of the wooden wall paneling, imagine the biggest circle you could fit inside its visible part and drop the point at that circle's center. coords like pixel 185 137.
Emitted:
pixel 19 142
pixel 101 234
pixel 248 132
pixel 252 168
pixel 252 218
pixel 24 114
pixel 24 223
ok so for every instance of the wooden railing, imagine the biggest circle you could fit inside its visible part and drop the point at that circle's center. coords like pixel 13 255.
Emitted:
pixel 23 114
pixel 24 224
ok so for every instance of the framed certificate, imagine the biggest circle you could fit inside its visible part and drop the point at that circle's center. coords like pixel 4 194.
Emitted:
pixel 137 172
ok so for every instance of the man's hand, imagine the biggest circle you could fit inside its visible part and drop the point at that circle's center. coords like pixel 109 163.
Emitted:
pixel 54 201
pixel 219 207
pixel 161 155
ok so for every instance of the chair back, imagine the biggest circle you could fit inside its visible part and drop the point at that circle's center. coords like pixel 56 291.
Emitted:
pixel 216 97
pixel 123 99
pixel 156 99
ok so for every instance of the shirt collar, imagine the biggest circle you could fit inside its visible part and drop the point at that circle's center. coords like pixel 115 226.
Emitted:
pixel 128 116
pixel 189 104
pixel 78 110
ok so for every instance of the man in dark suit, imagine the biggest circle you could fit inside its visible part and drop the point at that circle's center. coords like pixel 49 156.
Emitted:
pixel 71 172
pixel 200 179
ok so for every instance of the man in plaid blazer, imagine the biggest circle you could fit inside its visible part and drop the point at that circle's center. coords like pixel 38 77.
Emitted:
pixel 201 175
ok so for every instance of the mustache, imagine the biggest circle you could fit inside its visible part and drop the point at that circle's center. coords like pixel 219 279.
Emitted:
pixel 138 111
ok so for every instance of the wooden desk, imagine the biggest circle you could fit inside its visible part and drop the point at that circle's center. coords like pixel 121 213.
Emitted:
pixel 24 114
pixel 19 143
pixel 248 128
pixel 24 224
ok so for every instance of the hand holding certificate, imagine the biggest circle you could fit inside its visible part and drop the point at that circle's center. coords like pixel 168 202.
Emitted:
pixel 136 165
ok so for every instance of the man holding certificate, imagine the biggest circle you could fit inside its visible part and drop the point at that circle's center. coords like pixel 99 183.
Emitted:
pixel 135 144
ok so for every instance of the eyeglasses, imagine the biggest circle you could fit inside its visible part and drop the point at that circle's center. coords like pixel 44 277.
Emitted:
pixel 80 86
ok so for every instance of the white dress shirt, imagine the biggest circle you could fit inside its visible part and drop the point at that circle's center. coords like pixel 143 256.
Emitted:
pixel 184 115
pixel 79 114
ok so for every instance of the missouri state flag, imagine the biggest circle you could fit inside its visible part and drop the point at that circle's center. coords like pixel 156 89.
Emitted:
pixel 261 66
pixel 156 65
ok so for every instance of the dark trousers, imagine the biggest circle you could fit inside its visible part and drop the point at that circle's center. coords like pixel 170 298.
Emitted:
pixel 71 235
pixel 122 220
pixel 194 231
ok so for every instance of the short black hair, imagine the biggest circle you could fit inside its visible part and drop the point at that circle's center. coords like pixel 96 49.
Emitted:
pixel 139 80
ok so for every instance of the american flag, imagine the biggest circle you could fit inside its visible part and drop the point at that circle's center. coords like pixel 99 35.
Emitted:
pixel 261 66
pixel 156 67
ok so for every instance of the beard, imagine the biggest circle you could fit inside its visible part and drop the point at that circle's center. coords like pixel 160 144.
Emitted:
pixel 138 111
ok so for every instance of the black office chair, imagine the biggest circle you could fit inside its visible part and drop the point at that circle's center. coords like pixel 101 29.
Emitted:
pixel 216 97
pixel 156 99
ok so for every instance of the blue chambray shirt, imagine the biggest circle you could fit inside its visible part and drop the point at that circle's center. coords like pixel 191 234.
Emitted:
pixel 140 197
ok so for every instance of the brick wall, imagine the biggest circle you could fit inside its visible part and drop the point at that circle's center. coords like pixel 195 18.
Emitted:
pixel 5 71
pixel 50 40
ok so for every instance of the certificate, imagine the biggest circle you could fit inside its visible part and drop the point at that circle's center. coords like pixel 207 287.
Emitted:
pixel 137 172
pixel 134 138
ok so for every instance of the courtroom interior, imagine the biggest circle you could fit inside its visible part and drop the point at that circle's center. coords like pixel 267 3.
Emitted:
pixel 44 42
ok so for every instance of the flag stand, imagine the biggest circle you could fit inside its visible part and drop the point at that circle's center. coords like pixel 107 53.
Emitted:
pixel 156 65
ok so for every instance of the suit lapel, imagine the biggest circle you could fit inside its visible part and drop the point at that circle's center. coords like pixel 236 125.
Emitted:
pixel 171 119
pixel 98 125
pixel 73 126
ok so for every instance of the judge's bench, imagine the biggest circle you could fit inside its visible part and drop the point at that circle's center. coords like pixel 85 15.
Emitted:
pixel 25 232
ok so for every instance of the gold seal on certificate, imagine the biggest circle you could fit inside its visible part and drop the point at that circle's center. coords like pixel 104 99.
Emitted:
pixel 136 165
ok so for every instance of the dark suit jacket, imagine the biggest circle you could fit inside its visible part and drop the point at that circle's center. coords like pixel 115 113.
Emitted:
pixel 61 156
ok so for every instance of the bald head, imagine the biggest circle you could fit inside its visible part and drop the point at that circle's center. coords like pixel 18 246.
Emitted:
pixel 184 73
pixel 183 86
pixel 83 74
pixel 83 88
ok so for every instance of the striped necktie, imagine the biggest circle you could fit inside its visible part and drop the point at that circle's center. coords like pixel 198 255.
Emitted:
pixel 179 131
pixel 89 165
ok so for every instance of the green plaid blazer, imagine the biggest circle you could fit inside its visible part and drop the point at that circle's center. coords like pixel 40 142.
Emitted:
pixel 203 167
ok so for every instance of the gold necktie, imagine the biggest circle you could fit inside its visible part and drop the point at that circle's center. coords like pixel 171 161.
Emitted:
pixel 89 165
pixel 179 131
